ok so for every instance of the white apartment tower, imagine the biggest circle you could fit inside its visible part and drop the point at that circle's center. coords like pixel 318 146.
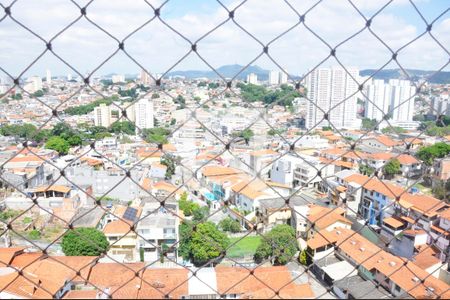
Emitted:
pixel 439 106
pixel 395 98
pixel 102 115
pixel 118 78
pixel 144 113
pixel 283 77
pixel 48 77
pixel 274 77
pixel 145 78
pixel 252 78
pixel 33 84
pixel 333 91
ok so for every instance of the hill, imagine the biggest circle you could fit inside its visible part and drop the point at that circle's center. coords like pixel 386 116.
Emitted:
pixel 227 71
pixel 439 78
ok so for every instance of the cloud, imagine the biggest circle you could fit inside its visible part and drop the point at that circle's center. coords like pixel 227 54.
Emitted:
pixel 158 48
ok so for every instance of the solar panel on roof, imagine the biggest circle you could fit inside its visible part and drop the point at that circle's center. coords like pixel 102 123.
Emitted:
pixel 130 214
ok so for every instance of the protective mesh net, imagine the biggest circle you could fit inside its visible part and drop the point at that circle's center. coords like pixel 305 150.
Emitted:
pixel 241 191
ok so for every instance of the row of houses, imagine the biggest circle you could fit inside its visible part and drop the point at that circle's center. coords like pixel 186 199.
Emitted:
pixel 29 275
pixel 342 255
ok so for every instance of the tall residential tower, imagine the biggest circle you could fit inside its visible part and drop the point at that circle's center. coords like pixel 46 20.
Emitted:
pixel 394 99
pixel 332 91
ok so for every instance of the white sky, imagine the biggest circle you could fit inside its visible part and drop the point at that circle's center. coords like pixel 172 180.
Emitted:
pixel 158 48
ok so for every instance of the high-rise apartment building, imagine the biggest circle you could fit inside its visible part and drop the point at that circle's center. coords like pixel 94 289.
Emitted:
pixel 144 113
pixel 145 78
pixel 33 84
pixel 130 111
pixel 102 115
pixel 378 99
pixel 48 77
pixel 394 99
pixel 439 106
pixel 283 77
pixel 252 78
pixel 118 78
pixel 274 77
pixel 333 92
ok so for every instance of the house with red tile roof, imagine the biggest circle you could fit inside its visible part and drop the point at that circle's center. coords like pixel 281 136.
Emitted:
pixel 398 276
pixel 380 143
pixel 78 277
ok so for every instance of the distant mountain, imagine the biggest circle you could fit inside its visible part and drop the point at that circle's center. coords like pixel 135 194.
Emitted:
pixel 227 71
pixel 440 77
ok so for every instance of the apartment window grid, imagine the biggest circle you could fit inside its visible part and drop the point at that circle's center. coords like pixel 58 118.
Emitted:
pixel 226 86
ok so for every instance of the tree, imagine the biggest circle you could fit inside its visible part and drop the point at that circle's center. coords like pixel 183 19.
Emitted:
pixel 245 134
pixel 141 254
pixel 58 144
pixel 391 168
pixel 63 130
pixel 156 135
pixel 230 225
pixel 213 85
pixel 42 135
pixel 34 234
pixel 155 96
pixel 84 242
pixel 273 132
pixel 200 214
pixel 395 129
pixel 441 189
pixel 368 124
pixel 430 153
pixel 184 247
pixel 188 207
pixel 366 170
pixel 17 96
pixel 38 93
pixel 181 101
pixel 126 127
pixel 437 128
pixel 74 140
pixel 170 162
pixel 284 95
pixel 305 257
pixel 279 245
pixel 164 250
pixel 87 108
pixel 24 131
pixel 206 243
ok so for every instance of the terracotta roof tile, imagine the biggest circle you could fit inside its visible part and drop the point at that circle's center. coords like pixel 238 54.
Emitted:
pixel 117 227
pixel 393 222
pixel 238 281
pixel 219 170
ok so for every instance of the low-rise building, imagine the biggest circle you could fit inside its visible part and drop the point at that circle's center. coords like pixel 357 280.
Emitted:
pixel 158 231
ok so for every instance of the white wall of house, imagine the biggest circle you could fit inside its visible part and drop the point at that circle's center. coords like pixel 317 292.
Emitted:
pixel 374 143
pixel 321 254
pixel 282 171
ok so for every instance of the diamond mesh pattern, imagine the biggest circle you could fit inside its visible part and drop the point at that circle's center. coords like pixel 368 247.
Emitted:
pixel 127 278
